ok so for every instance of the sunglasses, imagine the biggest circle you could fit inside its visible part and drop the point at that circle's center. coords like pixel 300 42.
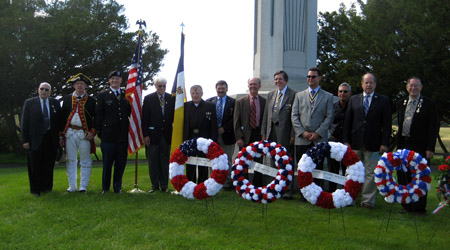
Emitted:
pixel 44 89
pixel 311 77
pixel 343 91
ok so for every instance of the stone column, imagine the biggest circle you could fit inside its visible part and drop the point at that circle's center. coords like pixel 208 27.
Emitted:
pixel 285 39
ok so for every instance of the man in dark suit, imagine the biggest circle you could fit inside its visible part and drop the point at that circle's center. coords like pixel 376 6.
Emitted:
pixel 248 115
pixel 199 121
pixel 40 124
pixel 418 128
pixel 78 111
pixel 367 129
pixel 157 119
pixel 225 133
pixel 312 115
pixel 276 125
pixel 112 123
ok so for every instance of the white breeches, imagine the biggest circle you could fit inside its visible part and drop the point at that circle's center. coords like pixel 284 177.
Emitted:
pixel 75 143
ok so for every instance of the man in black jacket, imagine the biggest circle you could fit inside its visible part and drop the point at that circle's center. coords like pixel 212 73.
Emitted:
pixel 112 123
pixel 40 124
pixel 78 136
pixel 157 119
pixel 418 128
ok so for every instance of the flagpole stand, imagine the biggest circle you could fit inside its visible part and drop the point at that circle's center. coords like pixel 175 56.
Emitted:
pixel 136 190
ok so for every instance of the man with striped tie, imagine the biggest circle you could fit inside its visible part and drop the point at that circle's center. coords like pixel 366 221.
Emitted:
pixel 367 129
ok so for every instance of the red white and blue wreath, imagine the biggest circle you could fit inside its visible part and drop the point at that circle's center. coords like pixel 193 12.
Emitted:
pixel 219 162
pixel 280 183
pixel 354 173
pixel 402 160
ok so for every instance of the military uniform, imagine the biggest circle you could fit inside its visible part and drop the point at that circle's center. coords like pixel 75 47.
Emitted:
pixel 112 122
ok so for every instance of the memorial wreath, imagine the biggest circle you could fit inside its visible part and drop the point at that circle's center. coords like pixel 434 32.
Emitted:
pixel 219 162
pixel 354 174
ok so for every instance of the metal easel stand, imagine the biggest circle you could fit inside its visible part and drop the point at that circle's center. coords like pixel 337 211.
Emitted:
pixel 264 212
pixel 389 219
pixel 437 227
pixel 329 218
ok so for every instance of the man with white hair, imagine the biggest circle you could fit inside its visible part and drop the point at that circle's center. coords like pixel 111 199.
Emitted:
pixel 40 125
pixel 157 119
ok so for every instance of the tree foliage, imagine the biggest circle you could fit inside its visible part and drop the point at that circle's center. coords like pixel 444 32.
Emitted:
pixel 51 41
pixel 394 39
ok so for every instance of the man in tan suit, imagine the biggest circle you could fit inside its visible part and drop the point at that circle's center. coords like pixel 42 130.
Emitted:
pixel 248 115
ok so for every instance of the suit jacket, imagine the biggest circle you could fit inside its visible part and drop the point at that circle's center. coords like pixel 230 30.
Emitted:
pixel 154 123
pixel 372 130
pixel 32 122
pixel 227 120
pixel 112 117
pixel 317 119
pixel 424 125
pixel 284 114
pixel 202 118
pixel 241 119
pixel 89 110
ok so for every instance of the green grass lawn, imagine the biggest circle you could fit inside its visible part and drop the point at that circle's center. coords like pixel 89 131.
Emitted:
pixel 60 220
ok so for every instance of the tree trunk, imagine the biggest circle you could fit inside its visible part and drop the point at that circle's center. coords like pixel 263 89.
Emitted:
pixel 11 127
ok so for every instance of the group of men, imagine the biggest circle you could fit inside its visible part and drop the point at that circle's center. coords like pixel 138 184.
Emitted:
pixel 296 120
pixel 47 124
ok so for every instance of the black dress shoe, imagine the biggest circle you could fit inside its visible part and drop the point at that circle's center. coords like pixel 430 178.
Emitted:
pixel 36 193
pixel 151 191
pixel 103 192
pixel 118 191
pixel 82 191
pixel 164 190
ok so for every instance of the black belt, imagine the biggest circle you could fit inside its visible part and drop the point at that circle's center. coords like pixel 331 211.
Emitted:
pixel 275 123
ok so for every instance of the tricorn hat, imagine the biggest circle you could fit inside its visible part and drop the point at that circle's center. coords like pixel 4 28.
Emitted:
pixel 115 73
pixel 80 77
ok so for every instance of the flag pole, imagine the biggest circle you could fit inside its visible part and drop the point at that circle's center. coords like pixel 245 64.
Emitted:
pixel 136 189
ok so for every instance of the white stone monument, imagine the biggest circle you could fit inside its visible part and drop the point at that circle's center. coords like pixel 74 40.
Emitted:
pixel 285 39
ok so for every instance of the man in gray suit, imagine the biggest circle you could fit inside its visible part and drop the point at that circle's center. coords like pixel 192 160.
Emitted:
pixel 276 125
pixel 247 120
pixel 312 115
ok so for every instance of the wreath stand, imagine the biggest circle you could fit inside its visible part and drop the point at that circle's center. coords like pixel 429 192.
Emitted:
pixel 389 218
pixel 329 218
pixel 437 227
pixel 264 211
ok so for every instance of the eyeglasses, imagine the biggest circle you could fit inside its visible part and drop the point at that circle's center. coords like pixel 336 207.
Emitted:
pixel 44 89
pixel 311 77
pixel 343 91
pixel 160 86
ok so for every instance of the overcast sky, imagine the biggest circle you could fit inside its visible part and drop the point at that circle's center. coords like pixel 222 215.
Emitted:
pixel 219 38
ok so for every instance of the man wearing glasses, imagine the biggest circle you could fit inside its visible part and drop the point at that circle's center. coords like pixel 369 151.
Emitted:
pixel 312 115
pixel 337 128
pixel 40 125
pixel 157 119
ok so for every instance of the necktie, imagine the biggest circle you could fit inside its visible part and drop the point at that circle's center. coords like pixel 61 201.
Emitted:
pixel 277 104
pixel 46 118
pixel 118 94
pixel 161 103
pixel 366 104
pixel 409 113
pixel 253 113
pixel 219 111
pixel 312 98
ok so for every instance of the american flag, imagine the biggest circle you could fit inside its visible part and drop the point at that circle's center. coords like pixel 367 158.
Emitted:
pixel 134 95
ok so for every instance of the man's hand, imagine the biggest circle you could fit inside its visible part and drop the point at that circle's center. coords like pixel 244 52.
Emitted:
pixel 240 142
pixel 26 145
pixel 383 149
pixel 429 154
pixel 147 140
pixel 89 136
pixel 314 136
pixel 292 140
pixel 221 130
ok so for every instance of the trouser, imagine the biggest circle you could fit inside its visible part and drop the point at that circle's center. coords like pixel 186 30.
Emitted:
pixel 41 163
pixel 158 164
pixel 229 151
pixel 75 143
pixel 370 160
pixel 113 153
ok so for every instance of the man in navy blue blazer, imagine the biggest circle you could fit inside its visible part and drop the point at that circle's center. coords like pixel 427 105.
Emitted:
pixel 367 129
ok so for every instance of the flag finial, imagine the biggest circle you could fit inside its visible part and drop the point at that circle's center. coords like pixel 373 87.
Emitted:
pixel 182 27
